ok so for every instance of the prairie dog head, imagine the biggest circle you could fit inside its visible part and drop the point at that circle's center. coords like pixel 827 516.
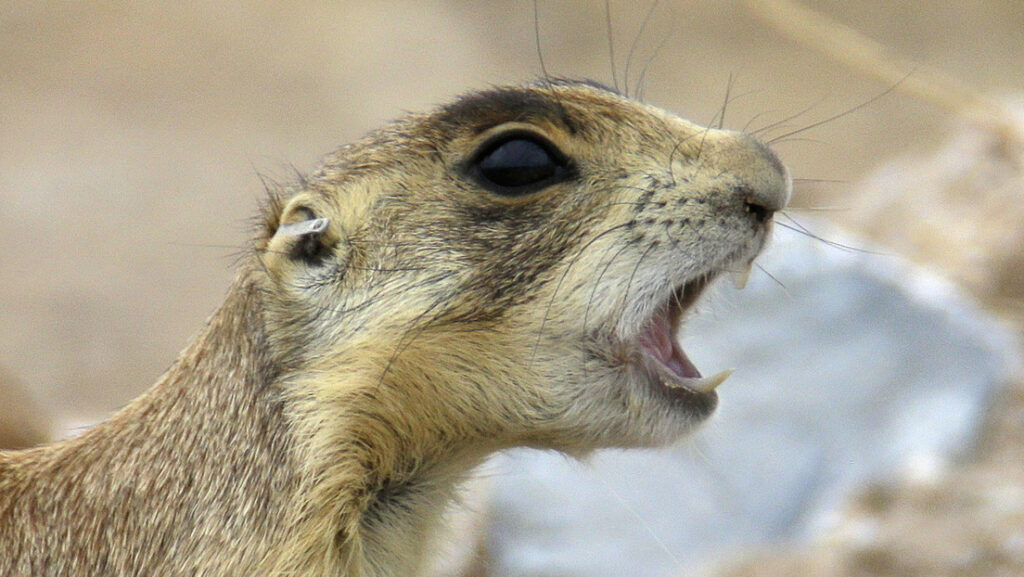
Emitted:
pixel 513 267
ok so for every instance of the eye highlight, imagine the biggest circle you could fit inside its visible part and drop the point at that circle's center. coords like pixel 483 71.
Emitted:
pixel 518 163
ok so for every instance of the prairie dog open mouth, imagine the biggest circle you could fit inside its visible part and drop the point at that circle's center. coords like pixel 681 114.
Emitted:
pixel 663 357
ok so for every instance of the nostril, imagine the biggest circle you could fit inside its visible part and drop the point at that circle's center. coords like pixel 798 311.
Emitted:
pixel 758 202
pixel 761 213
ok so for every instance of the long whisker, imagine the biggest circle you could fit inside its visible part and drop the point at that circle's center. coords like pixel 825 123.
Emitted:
pixel 781 284
pixel 540 58
pixel 611 42
pixel 746 127
pixel 847 112
pixel 633 46
pixel 725 102
pixel 647 528
pixel 597 285
pixel 820 180
pixel 414 327
pixel 776 142
pixel 632 276
pixel 816 209
pixel 561 279
pixel 642 81
pixel 536 40
pixel 675 148
pixel 593 293
pixel 799 228
pixel 790 118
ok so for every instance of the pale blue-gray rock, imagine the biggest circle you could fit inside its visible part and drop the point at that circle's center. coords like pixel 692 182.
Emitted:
pixel 851 366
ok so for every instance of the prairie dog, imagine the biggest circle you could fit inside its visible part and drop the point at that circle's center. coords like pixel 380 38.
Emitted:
pixel 511 269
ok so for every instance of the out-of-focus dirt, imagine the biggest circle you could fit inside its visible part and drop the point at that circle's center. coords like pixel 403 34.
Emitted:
pixel 968 520
pixel 131 135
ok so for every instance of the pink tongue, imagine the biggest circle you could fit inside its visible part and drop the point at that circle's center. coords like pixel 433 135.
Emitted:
pixel 661 343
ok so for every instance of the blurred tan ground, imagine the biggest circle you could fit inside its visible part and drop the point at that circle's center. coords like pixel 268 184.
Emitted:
pixel 22 423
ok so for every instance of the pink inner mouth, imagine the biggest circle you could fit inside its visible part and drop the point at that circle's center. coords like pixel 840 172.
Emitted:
pixel 659 341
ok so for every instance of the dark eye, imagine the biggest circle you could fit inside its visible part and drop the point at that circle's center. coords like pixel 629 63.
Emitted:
pixel 519 164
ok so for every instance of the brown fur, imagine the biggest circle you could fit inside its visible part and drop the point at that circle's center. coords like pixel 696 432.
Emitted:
pixel 362 365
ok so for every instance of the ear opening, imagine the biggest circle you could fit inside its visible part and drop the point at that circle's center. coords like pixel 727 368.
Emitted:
pixel 302 235
pixel 308 242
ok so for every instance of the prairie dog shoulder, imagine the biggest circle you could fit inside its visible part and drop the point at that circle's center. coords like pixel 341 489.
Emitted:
pixel 509 269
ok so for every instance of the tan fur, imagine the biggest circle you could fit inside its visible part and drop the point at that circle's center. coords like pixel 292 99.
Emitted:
pixel 322 421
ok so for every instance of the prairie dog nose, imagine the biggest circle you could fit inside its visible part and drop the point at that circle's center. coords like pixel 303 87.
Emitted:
pixel 762 179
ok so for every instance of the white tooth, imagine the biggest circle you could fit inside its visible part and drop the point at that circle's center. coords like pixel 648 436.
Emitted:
pixel 740 277
pixel 705 384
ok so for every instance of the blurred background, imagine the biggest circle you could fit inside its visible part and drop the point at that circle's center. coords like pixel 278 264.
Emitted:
pixel 133 136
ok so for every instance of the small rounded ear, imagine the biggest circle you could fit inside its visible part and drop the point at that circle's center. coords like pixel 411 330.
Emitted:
pixel 306 239
pixel 303 237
